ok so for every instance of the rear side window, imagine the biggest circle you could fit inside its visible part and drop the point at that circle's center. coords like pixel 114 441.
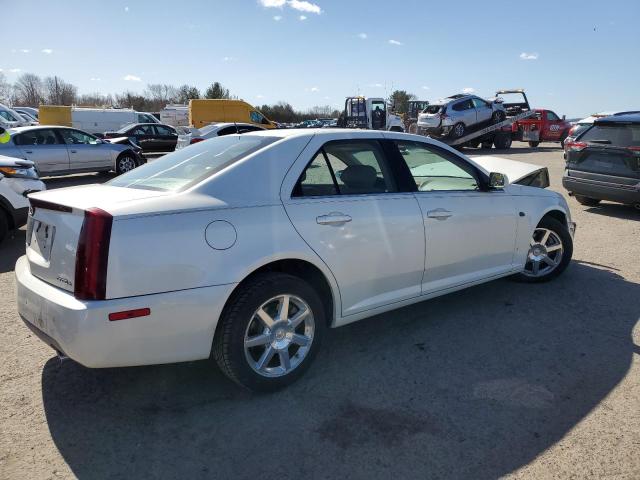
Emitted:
pixel 432 109
pixel 461 106
pixel 43 136
pixel 616 135
pixel 184 168
pixel 347 168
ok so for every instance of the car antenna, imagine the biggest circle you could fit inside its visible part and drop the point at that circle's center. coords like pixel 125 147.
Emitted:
pixel 236 125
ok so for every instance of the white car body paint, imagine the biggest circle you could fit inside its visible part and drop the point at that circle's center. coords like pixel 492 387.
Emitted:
pixel 161 255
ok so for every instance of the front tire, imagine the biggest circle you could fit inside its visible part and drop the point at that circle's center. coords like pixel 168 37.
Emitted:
pixel 534 144
pixel 550 252
pixel 125 163
pixel 4 225
pixel 587 201
pixel 269 332
pixel 502 141
pixel 498 116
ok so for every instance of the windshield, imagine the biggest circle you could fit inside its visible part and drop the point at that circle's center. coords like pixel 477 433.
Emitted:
pixel 617 135
pixel 189 166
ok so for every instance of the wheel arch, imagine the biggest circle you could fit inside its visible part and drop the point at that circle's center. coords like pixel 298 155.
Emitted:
pixel 305 270
pixel 120 154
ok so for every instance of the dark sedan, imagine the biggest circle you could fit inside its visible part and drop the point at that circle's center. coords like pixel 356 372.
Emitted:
pixel 603 162
pixel 152 137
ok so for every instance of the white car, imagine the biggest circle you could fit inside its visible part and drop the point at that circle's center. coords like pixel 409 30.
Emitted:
pixel 247 247
pixel 18 178
pixel 195 135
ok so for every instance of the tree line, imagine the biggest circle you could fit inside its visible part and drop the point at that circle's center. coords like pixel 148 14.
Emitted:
pixel 31 90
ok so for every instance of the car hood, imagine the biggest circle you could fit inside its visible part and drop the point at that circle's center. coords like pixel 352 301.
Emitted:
pixel 515 171
pixel 14 162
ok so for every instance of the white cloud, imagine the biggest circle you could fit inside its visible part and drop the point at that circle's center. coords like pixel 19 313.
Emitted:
pixel 272 3
pixel 277 18
pixel 424 87
pixel 25 50
pixel 126 9
pixel 95 79
pixel 363 36
pixel 15 70
pixel 299 5
pixel 302 18
pixel 131 78
pixel 468 90
pixel 375 85
pixel 48 51
pixel 528 56
pixel 259 96
pixel 304 6
pixel 395 42
pixel 327 97
pixel 314 89
pixel 228 59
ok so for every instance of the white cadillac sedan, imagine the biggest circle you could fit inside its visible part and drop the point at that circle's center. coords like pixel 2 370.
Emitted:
pixel 247 247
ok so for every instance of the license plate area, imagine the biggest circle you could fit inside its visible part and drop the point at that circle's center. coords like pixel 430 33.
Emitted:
pixel 41 238
pixel 531 135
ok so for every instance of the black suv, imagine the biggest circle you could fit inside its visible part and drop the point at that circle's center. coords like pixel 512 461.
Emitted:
pixel 603 162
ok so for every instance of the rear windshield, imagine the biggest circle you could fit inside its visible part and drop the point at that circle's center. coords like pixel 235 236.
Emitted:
pixel 580 128
pixel 186 167
pixel 619 135
pixel 432 109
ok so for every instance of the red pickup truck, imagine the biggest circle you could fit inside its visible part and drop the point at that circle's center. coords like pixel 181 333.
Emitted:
pixel 542 126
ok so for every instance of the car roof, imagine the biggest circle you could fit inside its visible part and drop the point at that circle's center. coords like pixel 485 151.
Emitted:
pixel 16 130
pixel 633 118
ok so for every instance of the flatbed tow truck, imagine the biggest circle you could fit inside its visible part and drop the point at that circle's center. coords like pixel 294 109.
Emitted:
pixel 498 135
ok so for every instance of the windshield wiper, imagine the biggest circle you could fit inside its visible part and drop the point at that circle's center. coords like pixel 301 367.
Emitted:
pixel 601 142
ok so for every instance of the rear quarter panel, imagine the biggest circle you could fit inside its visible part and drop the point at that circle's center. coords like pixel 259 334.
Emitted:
pixel 169 252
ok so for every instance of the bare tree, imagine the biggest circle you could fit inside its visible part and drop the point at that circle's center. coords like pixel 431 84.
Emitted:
pixel 159 95
pixel 28 90
pixel 59 92
pixel 5 89
pixel 95 100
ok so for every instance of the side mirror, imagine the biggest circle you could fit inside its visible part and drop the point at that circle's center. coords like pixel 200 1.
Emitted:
pixel 99 141
pixel 564 117
pixel 497 180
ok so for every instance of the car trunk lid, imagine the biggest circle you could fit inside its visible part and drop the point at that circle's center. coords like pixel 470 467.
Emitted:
pixel 431 117
pixel 606 160
pixel 55 229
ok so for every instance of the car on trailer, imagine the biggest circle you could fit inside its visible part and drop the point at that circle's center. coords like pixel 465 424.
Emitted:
pixel 414 108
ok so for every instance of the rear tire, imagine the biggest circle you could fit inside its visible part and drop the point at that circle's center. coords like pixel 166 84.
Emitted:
pixel 4 225
pixel 551 249
pixel 458 130
pixel 487 144
pixel 587 201
pixel 534 144
pixel 257 356
pixel 502 141
pixel 125 163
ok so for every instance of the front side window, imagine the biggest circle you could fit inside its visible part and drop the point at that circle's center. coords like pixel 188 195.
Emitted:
pixel 435 170
pixel 256 117
pixel 42 136
pixel 479 103
pixel 347 168
pixel 162 130
pixel 184 168
pixel 552 117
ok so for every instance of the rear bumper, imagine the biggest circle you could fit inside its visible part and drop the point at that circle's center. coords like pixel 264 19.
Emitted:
pixel 180 327
pixel 604 188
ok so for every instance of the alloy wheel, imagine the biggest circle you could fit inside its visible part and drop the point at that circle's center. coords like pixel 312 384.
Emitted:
pixel 279 335
pixel 126 164
pixel 545 253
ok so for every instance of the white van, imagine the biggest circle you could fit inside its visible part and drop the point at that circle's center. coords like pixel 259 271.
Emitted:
pixel 9 118
pixel 175 115
pixel 100 120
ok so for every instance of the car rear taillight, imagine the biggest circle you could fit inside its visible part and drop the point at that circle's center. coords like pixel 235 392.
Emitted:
pixel 92 256
pixel 196 140
pixel 635 150
pixel 575 146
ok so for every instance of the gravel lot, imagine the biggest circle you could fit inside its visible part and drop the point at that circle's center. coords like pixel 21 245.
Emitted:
pixel 504 379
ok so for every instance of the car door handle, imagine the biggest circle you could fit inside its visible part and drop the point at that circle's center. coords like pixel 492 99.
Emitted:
pixel 334 218
pixel 74 151
pixel 28 151
pixel 439 214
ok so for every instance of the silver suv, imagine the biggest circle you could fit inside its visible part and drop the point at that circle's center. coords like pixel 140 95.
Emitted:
pixel 457 114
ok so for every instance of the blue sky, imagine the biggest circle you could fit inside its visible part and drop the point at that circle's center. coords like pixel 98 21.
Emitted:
pixel 575 57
